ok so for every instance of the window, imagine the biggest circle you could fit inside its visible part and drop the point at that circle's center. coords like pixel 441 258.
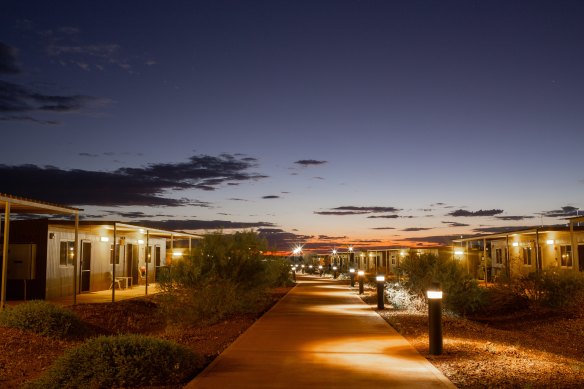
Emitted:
pixel 393 259
pixel 499 256
pixel 566 256
pixel 527 256
pixel 66 253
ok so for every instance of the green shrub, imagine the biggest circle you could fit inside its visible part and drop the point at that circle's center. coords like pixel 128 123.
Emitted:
pixel 277 272
pixel 121 361
pixel 462 293
pixel 555 288
pixel 42 318
pixel 403 299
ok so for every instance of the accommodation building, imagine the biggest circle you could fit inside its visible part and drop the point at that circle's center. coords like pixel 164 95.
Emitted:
pixel 520 252
pixel 53 259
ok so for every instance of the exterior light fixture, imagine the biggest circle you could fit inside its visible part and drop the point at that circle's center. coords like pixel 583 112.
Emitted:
pixel 435 318
pixel 352 276
pixel 335 274
pixel 380 285
pixel 458 252
pixel 140 241
pixel 142 230
pixel 104 239
pixel 176 254
pixel 550 241
pixel 515 244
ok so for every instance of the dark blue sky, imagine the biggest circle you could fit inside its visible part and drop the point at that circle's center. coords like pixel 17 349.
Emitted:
pixel 365 122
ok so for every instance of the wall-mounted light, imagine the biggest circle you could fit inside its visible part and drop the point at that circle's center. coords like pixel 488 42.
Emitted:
pixel 550 241
pixel 515 244
pixel 458 252
pixel 141 230
pixel 104 239
pixel 176 254
pixel 140 241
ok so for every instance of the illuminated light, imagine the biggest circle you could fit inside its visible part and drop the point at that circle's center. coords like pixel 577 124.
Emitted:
pixel 402 253
pixel 434 294
pixel 380 278
pixel 104 239
pixel 140 241
pixel 310 266
pixel 320 266
pixel 334 251
pixel 458 252
pixel 351 270
pixel 351 248
pixel 176 254
pixel 142 230
pixel 515 244
pixel 361 273
pixel 303 266
pixel 550 241
pixel 334 268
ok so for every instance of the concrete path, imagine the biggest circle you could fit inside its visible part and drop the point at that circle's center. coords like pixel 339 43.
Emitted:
pixel 320 335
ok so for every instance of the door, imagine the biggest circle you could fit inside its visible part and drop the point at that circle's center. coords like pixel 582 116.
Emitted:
pixel 581 257
pixel 157 262
pixel 85 266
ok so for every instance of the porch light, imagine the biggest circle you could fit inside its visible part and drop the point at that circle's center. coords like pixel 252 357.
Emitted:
pixel 142 230
pixel 550 241
pixel 515 244
pixel 458 252
pixel 104 239
pixel 176 254
pixel 140 241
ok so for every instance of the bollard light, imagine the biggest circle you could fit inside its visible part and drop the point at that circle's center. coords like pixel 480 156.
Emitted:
pixel 302 269
pixel 361 275
pixel 320 270
pixel 435 318
pixel 335 272
pixel 380 286
pixel 352 276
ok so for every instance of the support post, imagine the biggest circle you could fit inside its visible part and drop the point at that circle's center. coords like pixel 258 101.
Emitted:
pixel 5 253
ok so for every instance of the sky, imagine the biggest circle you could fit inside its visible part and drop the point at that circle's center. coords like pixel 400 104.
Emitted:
pixel 323 123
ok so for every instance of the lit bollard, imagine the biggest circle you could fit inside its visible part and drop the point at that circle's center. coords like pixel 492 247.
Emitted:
pixel 435 319
pixel 380 286
pixel 335 275
pixel 320 270
pixel 310 269
pixel 361 274
pixel 294 273
pixel 302 269
pixel 352 275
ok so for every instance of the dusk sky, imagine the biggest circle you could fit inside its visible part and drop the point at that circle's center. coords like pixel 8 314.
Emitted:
pixel 371 123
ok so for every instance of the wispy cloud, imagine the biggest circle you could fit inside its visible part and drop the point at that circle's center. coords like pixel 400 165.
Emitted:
pixel 565 211
pixel 271 197
pixel 146 186
pixel 456 224
pixel 190 225
pixel 511 218
pixel 414 229
pixel 353 210
pixel 383 228
pixel 383 217
pixel 464 213
pixel 309 162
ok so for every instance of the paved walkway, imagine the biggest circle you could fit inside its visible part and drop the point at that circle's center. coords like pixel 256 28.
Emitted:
pixel 320 335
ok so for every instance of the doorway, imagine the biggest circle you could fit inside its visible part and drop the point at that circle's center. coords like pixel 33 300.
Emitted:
pixel 85 266
pixel 581 257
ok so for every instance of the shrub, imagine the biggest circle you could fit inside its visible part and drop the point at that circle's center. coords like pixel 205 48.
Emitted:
pixel 121 361
pixel 462 293
pixel 555 288
pixel 42 318
pixel 401 298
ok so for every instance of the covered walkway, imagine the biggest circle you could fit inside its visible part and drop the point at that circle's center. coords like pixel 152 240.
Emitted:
pixel 320 335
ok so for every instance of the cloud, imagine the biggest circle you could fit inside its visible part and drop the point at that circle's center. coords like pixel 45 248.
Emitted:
pixel 23 118
pixel 125 186
pixel 434 239
pixel 16 100
pixel 281 240
pixel 383 228
pixel 456 224
pixel 88 155
pixel 8 60
pixel 464 213
pixel 309 162
pixel 187 225
pixel 497 230
pixel 511 218
pixel 383 217
pixel 326 237
pixel 270 197
pixel 236 199
pixel 353 210
pixel 566 211
pixel 414 229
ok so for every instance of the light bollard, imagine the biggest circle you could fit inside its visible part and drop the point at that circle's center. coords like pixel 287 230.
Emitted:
pixel 310 271
pixel 435 319
pixel 361 275
pixel 335 274
pixel 302 267
pixel 352 276
pixel 294 273
pixel 320 270
pixel 380 286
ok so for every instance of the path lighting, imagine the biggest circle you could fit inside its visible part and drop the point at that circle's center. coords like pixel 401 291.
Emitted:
pixel 302 269
pixel 320 270
pixel 380 286
pixel 361 275
pixel 435 318
pixel 335 272
pixel 352 275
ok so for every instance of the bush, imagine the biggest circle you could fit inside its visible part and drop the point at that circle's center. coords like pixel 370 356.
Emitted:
pixel 42 318
pixel 554 288
pixel 401 298
pixel 227 274
pixel 121 361
pixel 462 293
